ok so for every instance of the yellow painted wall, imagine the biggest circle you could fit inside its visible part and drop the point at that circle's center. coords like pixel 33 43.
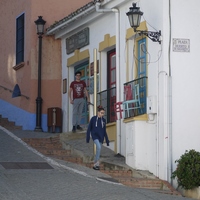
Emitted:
pixel 112 134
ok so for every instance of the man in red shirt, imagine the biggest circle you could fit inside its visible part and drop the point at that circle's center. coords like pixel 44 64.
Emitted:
pixel 76 94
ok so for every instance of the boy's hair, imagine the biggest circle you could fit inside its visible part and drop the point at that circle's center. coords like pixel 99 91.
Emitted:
pixel 78 72
pixel 100 108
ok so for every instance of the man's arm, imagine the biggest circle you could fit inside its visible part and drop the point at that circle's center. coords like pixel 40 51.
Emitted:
pixel 86 93
pixel 70 95
pixel 89 129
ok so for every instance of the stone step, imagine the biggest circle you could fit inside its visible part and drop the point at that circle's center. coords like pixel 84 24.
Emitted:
pixel 50 140
pixel 54 152
pixel 70 158
pixel 143 183
pixel 10 125
pixel 50 143
pixel 113 166
pixel 116 173
pixel 169 192
pixel 44 145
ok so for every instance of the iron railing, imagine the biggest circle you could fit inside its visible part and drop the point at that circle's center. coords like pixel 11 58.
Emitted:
pixel 11 91
pixel 107 99
pixel 129 95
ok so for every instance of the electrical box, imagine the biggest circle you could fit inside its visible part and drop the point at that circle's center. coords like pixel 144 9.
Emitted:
pixel 151 105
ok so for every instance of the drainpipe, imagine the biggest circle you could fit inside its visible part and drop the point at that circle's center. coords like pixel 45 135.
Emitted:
pixel 167 112
pixel 170 164
pixel 118 83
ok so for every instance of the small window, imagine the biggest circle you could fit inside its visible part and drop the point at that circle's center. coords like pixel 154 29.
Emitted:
pixel 142 73
pixel 111 92
pixel 20 39
pixel 142 63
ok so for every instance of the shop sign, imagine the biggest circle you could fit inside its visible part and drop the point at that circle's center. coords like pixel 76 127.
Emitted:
pixel 77 40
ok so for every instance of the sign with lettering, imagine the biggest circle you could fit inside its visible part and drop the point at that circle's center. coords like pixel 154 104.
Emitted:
pixel 181 45
pixel 77 40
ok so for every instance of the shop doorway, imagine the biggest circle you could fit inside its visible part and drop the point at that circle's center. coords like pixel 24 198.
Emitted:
pixel 84 69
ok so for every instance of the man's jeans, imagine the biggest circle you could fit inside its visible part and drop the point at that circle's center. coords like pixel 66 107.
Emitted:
pixel 77 111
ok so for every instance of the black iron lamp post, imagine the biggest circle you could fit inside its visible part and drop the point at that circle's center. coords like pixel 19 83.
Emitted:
pixel 134 16
pixel 40 31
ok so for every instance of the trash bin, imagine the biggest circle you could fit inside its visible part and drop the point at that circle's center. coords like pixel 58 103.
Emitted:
pixel 54 121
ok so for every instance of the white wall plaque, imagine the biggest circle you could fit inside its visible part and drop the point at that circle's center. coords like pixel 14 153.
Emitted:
pixel 181 45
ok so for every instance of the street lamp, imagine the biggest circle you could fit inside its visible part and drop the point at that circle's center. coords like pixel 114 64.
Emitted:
pixel 40 31
pixel 134 16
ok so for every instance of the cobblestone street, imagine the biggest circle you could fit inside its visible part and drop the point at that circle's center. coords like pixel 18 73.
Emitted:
pixel 25 174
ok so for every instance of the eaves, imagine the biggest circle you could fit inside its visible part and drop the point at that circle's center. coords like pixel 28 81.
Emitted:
pixel 78 14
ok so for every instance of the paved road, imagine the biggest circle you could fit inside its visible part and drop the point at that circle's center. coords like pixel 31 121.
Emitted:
pixel 56 180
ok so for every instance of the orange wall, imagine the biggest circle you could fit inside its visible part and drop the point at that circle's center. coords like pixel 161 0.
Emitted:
pixel 26 77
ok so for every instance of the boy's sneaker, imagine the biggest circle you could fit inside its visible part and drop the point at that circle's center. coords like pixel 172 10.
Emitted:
pixel 79 128
pixel 74 129
pixel 96 164
pixel 96 168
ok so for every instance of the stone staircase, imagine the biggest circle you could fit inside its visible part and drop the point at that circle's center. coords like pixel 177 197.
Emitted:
pixel 52 147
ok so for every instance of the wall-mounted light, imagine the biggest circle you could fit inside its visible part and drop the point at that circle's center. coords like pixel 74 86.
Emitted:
pixel 134 16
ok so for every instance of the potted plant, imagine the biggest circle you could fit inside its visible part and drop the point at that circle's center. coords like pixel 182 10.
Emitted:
pixel 188 172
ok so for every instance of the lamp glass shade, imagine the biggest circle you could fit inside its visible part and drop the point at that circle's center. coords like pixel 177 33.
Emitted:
pixel 40 29
pixel 40 25
pixel 134 20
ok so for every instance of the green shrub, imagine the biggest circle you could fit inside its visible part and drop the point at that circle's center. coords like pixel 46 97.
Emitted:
pixel 188 170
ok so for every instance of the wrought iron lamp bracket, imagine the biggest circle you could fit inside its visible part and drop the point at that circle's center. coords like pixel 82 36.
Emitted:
pixel 154 36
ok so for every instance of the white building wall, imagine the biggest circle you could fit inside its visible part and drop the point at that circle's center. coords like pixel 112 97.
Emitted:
pixel 147 144
pixel 149 136
pixel 141 152
pixel 65 97
pixel 185 73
